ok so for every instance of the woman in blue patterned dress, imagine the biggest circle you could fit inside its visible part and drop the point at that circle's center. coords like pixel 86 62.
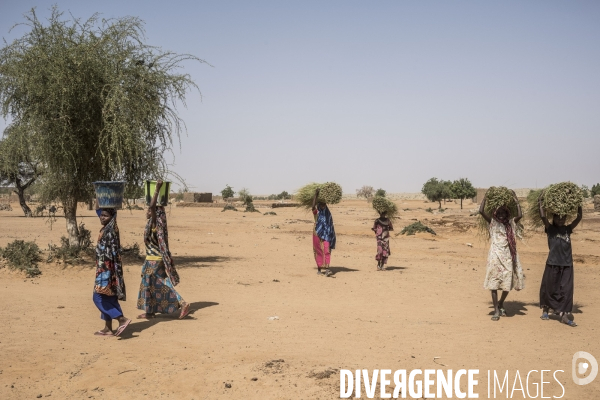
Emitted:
pixel 159 276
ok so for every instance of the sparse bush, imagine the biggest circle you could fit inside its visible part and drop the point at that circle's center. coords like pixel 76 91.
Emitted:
pixel 270 213
pixel 365 191
pixel 380 192
pixel 23 256
pixel 228 207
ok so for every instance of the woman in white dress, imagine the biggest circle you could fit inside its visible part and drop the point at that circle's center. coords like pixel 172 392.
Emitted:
pixel 504 271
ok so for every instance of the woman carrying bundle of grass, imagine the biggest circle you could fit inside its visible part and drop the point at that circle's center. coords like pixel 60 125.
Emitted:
pixel 382 227
pixel 557 288
pixel 109 286
pixel 323 235
pixel 159 276
pixel 504 271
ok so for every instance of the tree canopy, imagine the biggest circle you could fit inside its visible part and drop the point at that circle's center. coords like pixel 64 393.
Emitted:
pixel 96 101
pixel 365 191
pixel 462 189
pixel 436 190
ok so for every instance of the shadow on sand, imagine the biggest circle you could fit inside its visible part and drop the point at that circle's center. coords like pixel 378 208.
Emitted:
pixel 337 270
pixel 394 268
pixel 138 326
pixel 521 308
pixel 201 262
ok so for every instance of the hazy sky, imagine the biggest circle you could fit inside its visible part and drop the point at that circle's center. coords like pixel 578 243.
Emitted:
pixel 380 93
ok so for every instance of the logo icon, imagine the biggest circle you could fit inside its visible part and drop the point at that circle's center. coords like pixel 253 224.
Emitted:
pixel 582 363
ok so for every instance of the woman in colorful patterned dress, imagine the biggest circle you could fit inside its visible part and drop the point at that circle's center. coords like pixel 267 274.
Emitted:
pixel 109 286
pixel 323 236
pixel 159 276
pixel 382 228
pixel 504 271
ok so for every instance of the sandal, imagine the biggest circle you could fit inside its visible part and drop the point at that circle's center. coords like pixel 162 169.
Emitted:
pixel 565 320
pixel 146 316
pixel 327 273
pixel 544 317
pixel 102 333
pixel 495 318
pixel 185 310
pixel 502 312
pixel 121 328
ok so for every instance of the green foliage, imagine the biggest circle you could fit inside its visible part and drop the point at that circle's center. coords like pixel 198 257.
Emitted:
pixel 68 253
pixel 381 204
pixel 250 208
pixel 562 199
pixel 270 213
pixel 284 196
pixel 97 102
pixel 228 207
pixel 585 191
pixel 227 193
pixel 245 196
pixel 23 256
pixel 414 228
pixel 380 193
pixel 595 190
pixel 330 193
pixel 495 197
pixel 462 189
pixel 437 190
pixel 429 210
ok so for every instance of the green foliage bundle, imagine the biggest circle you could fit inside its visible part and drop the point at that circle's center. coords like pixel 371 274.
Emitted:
pixel 381 204
pixel 96 101
pixel 562 199
pixel 330 193
pixel 228 207
pixel 496 197
pixel 23 256
pixel 416 227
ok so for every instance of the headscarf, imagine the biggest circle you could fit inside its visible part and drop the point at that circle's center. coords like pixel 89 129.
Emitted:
pixel 109 269
pixel 324 227
pixel 162 234
pixel 510 234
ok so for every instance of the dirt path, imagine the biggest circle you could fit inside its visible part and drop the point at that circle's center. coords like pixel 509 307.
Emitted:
pixel 238 269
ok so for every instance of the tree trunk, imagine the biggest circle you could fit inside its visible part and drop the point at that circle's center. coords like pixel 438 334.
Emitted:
pixel 21 193
pixel 70 208
pixel 439 201
pixel 461 203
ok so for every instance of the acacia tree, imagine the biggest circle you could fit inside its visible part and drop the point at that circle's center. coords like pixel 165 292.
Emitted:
pixel 98 103
pixel 436 190
pixel 365 191
pixel 462 189
pixel 18 169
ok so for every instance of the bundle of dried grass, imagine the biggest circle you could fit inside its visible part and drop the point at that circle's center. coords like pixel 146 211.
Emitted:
pixel 330 193
pixel 561 199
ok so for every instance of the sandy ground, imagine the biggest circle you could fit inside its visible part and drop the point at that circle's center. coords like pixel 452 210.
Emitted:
pixel 238 269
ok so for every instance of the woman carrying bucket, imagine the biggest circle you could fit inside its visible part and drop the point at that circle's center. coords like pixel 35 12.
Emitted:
pixel 159 276
pixel 109 286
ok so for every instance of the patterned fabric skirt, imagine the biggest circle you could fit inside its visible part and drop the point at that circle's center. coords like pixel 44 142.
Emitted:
pixel 383 249
pixel 157 294
pixel 322 252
